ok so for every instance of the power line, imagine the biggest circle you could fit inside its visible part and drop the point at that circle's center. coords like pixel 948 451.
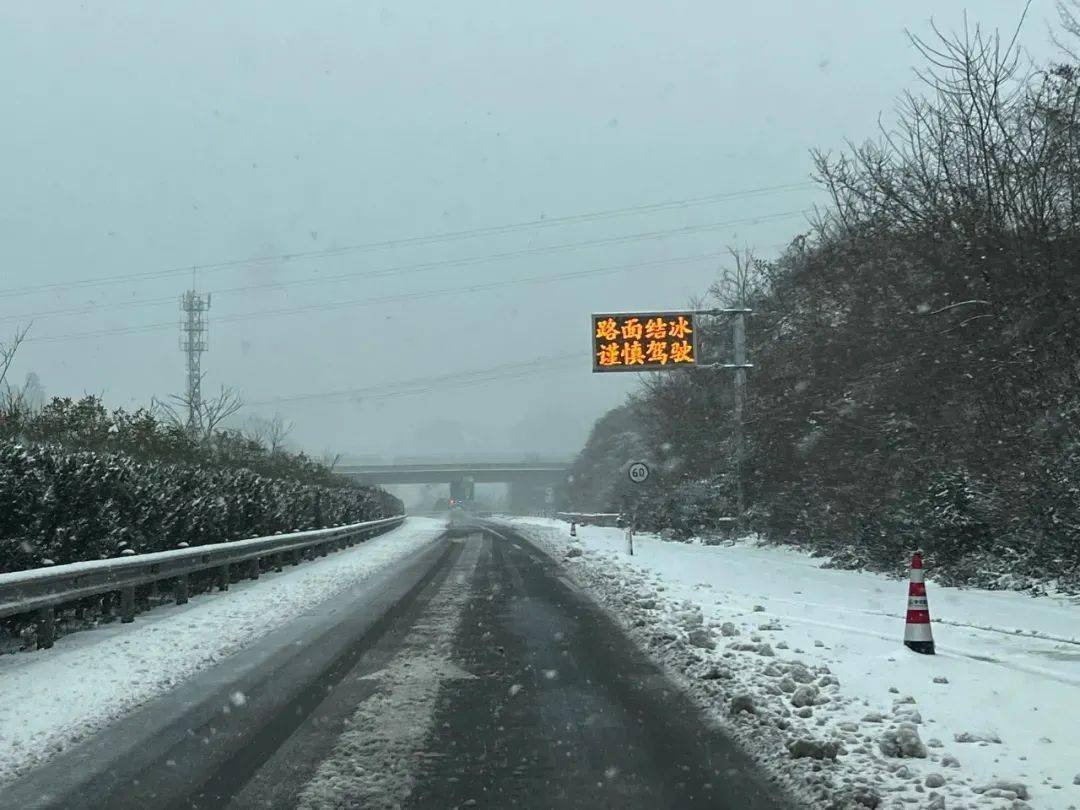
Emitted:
pixel 395 270
pixel 501 378
pixel 420 385
pixel 387 299
pixel 427 266
pixel 410 241
pixel 90 309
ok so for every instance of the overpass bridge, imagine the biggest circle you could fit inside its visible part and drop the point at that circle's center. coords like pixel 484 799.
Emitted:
pixel 524 476
pixel 482 472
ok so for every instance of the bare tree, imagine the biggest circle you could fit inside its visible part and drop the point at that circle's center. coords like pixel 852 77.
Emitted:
pixel 209 414
pixel 15 404
pixel 737 285
pixel 330 459
pixel 165 412
pixel 9 350
pixel 1069 18
pixel 217 409
pixel 270 433
pixel 991 148
pixel 19 405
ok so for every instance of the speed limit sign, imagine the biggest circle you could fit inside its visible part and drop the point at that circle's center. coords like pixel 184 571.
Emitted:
pixel 639 472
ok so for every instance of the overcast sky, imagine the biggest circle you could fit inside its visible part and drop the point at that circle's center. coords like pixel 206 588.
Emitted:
pixel 141 138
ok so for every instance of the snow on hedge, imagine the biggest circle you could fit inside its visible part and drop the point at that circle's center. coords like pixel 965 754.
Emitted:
pixel 69 506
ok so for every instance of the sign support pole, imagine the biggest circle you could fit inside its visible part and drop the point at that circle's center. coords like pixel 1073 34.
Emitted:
pixel 739 342
pixel 657 341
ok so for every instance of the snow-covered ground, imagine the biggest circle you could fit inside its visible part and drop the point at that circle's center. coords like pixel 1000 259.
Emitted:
pixel 996 709
pixel 50 699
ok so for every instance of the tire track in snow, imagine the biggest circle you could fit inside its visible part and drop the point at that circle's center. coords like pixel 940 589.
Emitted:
pixel 373 764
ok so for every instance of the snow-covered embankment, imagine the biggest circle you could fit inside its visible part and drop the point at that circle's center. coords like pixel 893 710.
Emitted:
pixel 807 666
pixel 50 699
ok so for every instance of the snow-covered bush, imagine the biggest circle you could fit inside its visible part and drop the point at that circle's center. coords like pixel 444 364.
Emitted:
pixel 958 512
pixel 69 506
pixel 914 378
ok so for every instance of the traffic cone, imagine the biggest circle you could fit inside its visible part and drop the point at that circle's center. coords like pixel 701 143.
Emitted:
pixel 573 528
pixel 917 633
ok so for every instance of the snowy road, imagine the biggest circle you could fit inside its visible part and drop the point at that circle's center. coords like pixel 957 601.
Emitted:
pixel 563 711
pixel 474 676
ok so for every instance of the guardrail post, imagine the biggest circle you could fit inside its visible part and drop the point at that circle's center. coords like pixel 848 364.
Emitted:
pixel 322 550
pixel 223 577
pixel 253 569
pixel 295 557
pixel 180 589
pixel 127 604
pixel 277 562
pixel 46 628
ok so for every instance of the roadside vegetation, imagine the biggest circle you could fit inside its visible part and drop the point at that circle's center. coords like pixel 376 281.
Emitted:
pixel 80 482
pixel 917 351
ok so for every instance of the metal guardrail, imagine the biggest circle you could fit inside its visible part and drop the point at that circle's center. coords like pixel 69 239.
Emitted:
pixel 590 518
pixel 42 590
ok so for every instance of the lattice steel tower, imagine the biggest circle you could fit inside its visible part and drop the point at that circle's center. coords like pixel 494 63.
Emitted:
pixel 193 343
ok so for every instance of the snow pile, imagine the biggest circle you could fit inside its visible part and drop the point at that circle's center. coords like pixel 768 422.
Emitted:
pixel 50 699
pixel 806 666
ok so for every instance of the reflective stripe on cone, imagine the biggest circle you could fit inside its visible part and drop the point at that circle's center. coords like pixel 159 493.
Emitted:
pixel 917 634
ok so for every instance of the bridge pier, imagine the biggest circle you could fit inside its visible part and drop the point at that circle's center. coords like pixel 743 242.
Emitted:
pixel 462 489
pixel 529 496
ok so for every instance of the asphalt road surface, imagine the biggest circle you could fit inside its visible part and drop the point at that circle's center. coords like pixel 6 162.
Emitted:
pixel 474 675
